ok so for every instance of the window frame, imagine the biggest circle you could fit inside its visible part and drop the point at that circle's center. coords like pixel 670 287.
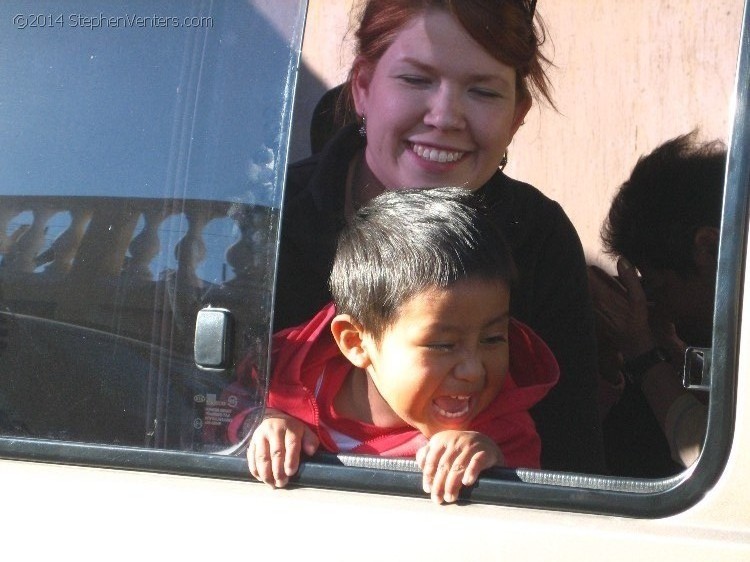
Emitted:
pixel 641 498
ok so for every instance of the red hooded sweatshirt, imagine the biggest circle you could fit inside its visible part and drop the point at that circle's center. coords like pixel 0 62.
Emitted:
pixel 309 369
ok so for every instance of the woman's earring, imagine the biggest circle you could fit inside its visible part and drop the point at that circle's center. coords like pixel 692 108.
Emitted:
pixel 504 161
pixel 363 128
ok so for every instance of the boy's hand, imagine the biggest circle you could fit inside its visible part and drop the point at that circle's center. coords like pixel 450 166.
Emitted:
pixel 452 459
pixel 276 445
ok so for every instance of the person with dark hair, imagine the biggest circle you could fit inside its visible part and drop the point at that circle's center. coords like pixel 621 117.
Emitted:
pixel 435 94
pixel 664 224
pixel 417 356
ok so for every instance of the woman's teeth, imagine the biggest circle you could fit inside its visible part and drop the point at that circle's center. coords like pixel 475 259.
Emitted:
pixel 435 155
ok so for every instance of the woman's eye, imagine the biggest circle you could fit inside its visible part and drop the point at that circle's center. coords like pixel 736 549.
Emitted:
pixel 484 93
pixel 414 80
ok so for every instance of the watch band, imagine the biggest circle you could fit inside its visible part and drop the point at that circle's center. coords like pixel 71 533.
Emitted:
pixel 634 369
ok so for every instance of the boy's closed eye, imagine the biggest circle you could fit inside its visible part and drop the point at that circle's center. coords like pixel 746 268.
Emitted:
pixel 439 346
pixel 495 339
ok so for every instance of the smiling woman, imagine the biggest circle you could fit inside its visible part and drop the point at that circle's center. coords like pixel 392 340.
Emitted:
pixel 441 88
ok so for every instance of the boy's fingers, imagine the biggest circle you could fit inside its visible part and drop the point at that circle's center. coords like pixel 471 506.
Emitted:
pixel 429 467
pixel 443 472
pixel 263 462
pixel 251 460
pixel 310 442
pixel 437 486
pixel 421 454
pixel 477 464
pixel 455 476
pixel 428 476
pixel 277 452
pixel 293 448
pixel 471 473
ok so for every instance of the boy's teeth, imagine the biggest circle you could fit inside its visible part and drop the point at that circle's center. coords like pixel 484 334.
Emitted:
pixel 435 155
pixel 452 406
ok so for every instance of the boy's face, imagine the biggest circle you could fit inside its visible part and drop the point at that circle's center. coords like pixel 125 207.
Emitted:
pixel 445 358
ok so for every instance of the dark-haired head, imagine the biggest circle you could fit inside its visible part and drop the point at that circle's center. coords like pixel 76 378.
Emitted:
pixel 671 193
pixel 404 242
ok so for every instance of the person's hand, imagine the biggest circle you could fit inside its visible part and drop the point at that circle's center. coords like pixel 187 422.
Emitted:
pixel 275 448
pixel 664 331
pixel 621 309
pixel 452 459
pixel 609 358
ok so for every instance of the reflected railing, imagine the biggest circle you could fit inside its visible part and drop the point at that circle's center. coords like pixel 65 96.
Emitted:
pixel 109 268
pixel 100 295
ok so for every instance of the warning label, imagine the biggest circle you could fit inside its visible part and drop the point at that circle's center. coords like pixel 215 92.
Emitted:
pixel 218 412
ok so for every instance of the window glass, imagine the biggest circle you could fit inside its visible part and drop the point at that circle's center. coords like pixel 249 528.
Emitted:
pixel 143 154
pixel 622 86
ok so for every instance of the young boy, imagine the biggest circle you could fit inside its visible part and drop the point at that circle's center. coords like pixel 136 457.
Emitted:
pixel 417 357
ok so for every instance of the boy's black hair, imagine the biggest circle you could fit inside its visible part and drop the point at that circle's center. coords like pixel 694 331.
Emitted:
pixel 671 192
pixel 408 240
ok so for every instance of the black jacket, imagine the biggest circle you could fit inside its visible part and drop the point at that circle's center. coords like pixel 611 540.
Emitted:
pixel 551 295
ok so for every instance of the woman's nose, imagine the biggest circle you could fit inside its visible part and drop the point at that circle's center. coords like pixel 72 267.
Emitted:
pixel 445 109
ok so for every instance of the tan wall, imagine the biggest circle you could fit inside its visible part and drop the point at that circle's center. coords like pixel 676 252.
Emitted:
pixel 628 76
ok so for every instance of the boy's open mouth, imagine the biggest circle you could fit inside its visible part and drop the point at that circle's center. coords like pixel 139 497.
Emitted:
pixel 452 406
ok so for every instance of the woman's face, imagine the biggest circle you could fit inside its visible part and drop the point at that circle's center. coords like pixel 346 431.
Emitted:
pixel 440 109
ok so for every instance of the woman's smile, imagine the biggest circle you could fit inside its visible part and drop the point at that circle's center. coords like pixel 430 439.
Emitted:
pixel 435 154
